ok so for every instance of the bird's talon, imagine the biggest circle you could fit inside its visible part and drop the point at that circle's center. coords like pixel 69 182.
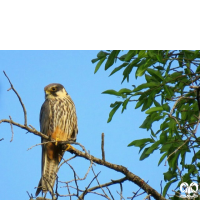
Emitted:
pixel 69 147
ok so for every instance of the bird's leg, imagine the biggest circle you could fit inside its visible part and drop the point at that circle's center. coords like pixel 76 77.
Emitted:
pixel 69 147
pixel 57 140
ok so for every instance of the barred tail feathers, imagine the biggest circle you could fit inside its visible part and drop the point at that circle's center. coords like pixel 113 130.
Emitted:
pixel 49 174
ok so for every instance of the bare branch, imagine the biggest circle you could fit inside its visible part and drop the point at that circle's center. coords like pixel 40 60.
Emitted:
pixel 40 144
pixel 79 179
pixel 69 191
pixel 102 147
pixel 1 139
pixel 11 130
pixel 20 100
pixel 136 193
pixel 86 189
pixel 65 162
pixel 110 192
pixel 161 187
pixel 121 197
pixel 34 131
pixel 147 197
pixel 130 176
pixel 99 184
pixel 121 191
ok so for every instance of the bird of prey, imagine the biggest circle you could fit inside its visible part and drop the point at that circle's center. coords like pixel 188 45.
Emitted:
pixel 59 121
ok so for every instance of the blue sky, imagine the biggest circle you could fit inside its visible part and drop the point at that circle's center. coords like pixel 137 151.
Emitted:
pixel 30 72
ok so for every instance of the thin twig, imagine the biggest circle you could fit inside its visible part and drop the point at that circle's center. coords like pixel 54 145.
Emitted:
pixel 121 197
pixel 41 144
pixel 135 193
pixel 161 187
pixel 65 162
pixel 82 191
pixel 147 197
pixel 79 179
pixel 99 184
pixel 86 189
pixel 110 192
pixel 102 147
pixel 20 100
pixel 69 191
pixel 34 131
pixel 74 179
pixel 11 129
pixel 1 139
pixel 121 190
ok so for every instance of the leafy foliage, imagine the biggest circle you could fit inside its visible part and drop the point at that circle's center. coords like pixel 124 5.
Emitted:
pixel 170 95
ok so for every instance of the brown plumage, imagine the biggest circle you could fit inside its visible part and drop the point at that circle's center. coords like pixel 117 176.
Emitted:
pixel 57 119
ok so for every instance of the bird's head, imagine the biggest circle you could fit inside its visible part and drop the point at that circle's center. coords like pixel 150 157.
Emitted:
pixel 54 90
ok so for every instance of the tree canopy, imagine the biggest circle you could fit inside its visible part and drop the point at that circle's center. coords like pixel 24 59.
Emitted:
pixel 168 96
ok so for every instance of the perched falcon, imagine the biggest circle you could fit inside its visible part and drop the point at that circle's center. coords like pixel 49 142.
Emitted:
pixel 59 121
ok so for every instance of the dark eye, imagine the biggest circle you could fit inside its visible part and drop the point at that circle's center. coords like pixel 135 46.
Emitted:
pixel 53 89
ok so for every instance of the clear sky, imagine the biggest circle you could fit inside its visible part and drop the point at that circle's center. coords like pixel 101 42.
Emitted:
pixel 30 72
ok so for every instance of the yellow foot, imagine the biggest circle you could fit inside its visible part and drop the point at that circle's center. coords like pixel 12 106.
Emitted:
pixel 57 140
pixel 69 147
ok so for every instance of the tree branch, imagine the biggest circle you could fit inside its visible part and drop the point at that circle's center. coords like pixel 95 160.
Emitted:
pixel 20 100
pixel 129 175
pixel 102 147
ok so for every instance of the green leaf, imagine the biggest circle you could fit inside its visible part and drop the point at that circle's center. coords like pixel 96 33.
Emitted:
pixel 147 123
pixel 147 103
pixel 156 103
pixel 144 155
pixel 152 133
pixel 99 64
pixel 129 68
pixel 156 74
pixel 130 55
pixel 112 105
pixel 122 57
pixel 169 175
pixel 95 60
pixel 168 91
pixel 167 186
pixel 124 90
pixel 163 136
pixel 166 107
pixel 142 53
pixel 196 156
pixel 165 148
pixel 143 65
pixel 162 158
pixel 102 54
pixel 140 142
pixel 112 112
pixel 111 58
pixel 139 103
pixel 145 85
pixel 125 104
pixel 154 109
pixel 112 92
pixel 198 69
pixel 160 68
pixel 118 68
pixel 153 147
pixel 176 75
